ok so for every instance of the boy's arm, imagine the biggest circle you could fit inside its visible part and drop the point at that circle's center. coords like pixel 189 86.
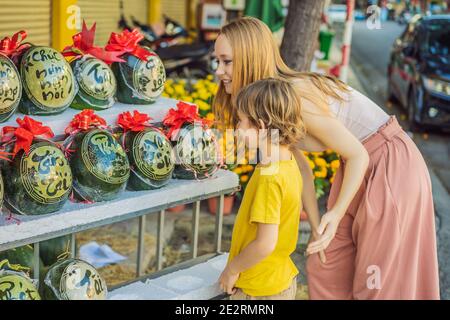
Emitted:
pixel 260 248
pixel 309 199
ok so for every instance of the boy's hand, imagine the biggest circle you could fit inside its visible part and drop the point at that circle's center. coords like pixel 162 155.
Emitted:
pixel 326 230
pixel 227 281
pixel 314 236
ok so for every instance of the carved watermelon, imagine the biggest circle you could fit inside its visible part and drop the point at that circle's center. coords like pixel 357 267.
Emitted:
pixel 196 153
pixel 139 82
pixel 39 182
pixel 48 82
pixel 96 82
pixel 10 88
pixel 151 159
pixel 99 164
pixel 74 279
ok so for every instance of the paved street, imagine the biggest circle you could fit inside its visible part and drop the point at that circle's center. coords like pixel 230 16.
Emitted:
pixel 369 59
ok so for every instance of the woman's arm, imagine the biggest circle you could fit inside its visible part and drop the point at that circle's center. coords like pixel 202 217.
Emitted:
pixel 335 136
pixel 260 248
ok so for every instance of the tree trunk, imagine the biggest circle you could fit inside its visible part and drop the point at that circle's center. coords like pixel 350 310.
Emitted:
pixel 301 32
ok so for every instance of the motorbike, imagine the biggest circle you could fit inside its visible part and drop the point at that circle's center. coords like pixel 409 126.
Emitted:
pixel 187 60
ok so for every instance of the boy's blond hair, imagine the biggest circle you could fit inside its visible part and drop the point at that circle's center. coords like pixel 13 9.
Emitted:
pixel 277 104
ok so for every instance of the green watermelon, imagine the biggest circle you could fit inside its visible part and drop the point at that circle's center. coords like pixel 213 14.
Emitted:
pixel 48 82
pixel 74 279
pixel 196 152
pixel 10 88
pixel 99 164
pixel 17 286
pixel 23 256
pixel 151 159
pixel 139 82
pixel 50 251
pixel 96 82
pixel 39 182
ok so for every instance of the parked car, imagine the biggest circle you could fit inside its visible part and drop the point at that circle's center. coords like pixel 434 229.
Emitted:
pixel 419 71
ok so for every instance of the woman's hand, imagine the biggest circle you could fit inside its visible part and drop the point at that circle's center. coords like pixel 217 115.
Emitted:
pixel 314 237
pixel 326 230
pixel 227 280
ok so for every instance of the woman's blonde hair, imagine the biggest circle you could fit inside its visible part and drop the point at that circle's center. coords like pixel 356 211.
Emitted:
pixel 276 103
pixel 256 56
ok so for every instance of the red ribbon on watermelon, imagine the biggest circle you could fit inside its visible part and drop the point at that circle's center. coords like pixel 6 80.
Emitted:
pixel 186 113
pixel 83 43
pixel 128 42
pixel 24 134
pixel 85 120
pixel 13 47
pixel 133 122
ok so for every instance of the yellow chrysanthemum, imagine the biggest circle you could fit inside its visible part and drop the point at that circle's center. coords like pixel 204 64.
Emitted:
pixel 312 165
pixel 244 178
pixel 335 164
pixel 202 105
pixel 320 162
pixel 170 91
pixel 210 116
pixel 237 170
pixel 322 173
pixel 179 89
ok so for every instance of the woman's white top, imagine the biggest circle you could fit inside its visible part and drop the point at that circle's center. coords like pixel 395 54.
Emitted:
pixel 360 115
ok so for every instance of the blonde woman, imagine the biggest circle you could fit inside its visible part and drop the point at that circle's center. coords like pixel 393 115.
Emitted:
pixel 378 233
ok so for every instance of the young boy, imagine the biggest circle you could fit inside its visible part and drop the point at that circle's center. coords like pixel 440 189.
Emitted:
pixel 266 228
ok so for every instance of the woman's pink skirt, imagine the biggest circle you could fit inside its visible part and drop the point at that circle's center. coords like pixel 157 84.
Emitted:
pixel 385 246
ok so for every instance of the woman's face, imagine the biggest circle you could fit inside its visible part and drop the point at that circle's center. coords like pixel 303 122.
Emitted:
pixel 224 55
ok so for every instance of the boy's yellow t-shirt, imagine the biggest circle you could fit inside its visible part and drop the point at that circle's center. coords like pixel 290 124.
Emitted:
pixel 273 195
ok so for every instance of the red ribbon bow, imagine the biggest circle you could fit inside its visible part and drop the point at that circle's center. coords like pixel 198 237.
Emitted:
pixel 136 122
pixel 85 120
pixel 24 134
pixel 186 112
pixel 127 42
pixel 83 43
pixel 12 47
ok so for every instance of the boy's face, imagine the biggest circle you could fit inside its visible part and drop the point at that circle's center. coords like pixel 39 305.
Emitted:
pixel 249 131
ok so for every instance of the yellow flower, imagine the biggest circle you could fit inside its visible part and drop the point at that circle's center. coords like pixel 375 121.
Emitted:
pixel 202 105
pixel 210 77
pixel 312 165
pixel 332 179
pixel 320 162
pixel 322 173
pixel 335 164
pixel 249 167
pixel 170 91
pixel 244 178
pixel 237 170
pixel 187 99
pixel 210 116
pixel 179 89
